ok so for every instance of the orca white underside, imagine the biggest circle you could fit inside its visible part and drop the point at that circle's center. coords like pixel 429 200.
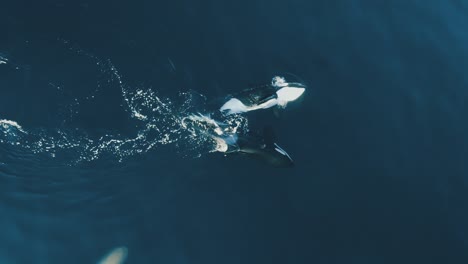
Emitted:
pixel 235 106
pixel 284 95
pixel 288 94
pixel 116 256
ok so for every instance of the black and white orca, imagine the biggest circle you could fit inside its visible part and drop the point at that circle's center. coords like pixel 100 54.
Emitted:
pixel 278 93
pixel 262 148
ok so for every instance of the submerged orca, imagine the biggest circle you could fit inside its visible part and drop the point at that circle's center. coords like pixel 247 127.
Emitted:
pixel 279 92
pixel 262 148
pixel 269 152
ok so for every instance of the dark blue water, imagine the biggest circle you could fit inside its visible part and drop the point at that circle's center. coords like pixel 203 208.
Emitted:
pixel 379 138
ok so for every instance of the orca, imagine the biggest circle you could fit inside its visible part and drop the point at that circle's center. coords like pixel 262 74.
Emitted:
pixel 229 140
pixel 261 148
pixel 115 256
pixel 278 93
pixel 270 153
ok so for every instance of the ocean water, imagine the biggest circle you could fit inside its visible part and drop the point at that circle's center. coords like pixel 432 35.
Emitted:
pixel 94 155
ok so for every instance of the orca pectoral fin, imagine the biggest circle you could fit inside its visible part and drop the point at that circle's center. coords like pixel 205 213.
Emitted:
pixel 278 157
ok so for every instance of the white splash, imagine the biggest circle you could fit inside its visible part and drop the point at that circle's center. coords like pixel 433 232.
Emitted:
pixel 8 124
pixel 279 81
pixel 221 145
pixel 3 60
pixel 158 121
